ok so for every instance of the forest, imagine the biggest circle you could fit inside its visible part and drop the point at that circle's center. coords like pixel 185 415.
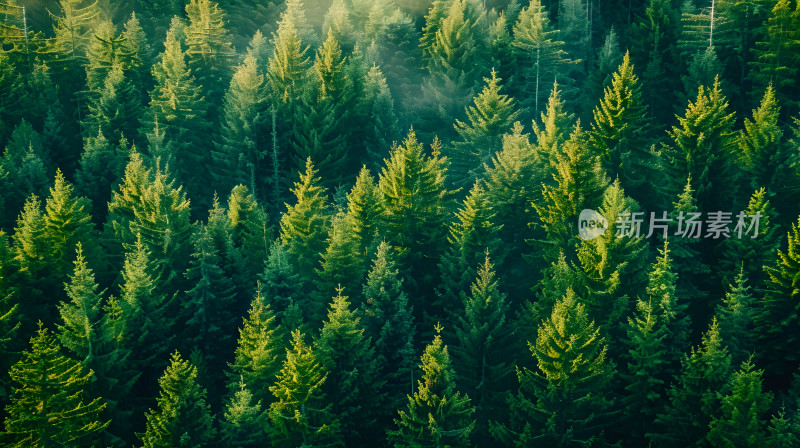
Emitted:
pixel 400 223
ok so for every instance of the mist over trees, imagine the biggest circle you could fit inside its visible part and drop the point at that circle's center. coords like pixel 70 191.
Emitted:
pixel 362 223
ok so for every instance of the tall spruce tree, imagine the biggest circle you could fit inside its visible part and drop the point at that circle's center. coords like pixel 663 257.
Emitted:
pixel 741 422
pixel 437 414
pixel 181 417
pixel 50 406
pixel 301 413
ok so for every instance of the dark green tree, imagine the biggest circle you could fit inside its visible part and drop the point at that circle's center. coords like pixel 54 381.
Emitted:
pixel 437 413
pixel 50 406
pixel 181 416
pixel 209 52
pixel 301 413
pixel 741 422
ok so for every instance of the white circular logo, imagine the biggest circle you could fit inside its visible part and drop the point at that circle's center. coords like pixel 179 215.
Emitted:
pixel 591 224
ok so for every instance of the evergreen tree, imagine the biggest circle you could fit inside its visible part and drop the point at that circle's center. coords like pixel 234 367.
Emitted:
pixel 579 184
pixel 387 321
pixel 206 307
pixel 778 318
pixel 244 422
pixel 481 359
pixel 741 421
pixel 776 58
pixel 415 206
pixel 379 106
pixel 437 414
pixel 619 131
pixel 736 314
pixel 490 118
pixel 115 108
pixel 353 384
pixel 50 406
pixel 209 53
pixel 693 399
pixel 181 416
pixel 364 211
pixel 560 404
pixel 702 148
pixel 343 265
pixel 764 156
pixel 258 354
pixel 101 166
pixel 301 413
pixel 237 155
pixel 554 130
pixel 177 104
pixel 608 59
pixel 282 289
pixel 541 54
pixel 647 353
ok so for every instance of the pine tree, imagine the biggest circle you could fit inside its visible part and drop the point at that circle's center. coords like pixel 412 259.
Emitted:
pixel 258 354
pixel 579 184
pixel 554 130
pixel 101 165
pixel 490 118
pixel 9 307
pixel 50 406
pixel 301 413
pixel 619 131
pixel 765 157
pixel 387 319
pixel 693 400
pixel 778 319
pixel 379 105
pixel 608 59
pixel 415 207
pixel 209 53
pixel 353 384
pixel 237 155
pixel 282 289
pixel 741 421
pixel 147 205
pixel 560 403
pixel 776 58
pixel 481 359
pixel 471 234
pixel 206 307
pixel 735 315
pixel 512 185
pixel 701 149
pixel 540 53
pixel 343 265
pixel 244 422
pixel 177 104
pixel 364 211
pixel 181 416
pixel 437 414
pixel 647 354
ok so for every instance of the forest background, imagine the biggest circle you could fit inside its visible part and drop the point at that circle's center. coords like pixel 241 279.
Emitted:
pixel 355 223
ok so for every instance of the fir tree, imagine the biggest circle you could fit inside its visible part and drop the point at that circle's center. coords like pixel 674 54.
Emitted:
pixel 490 118
pixel 379 106
pixel 258 354
pixel 541 53
pixel 387 320
pixel 735 315
pixel 741 421
pixel 181 416
pixel 209 53
pixel 619 130
pixel 776 59
pixel 244 422
pixel 282 289
pixel 554 130
pixel 50 406
pixel 364 211
pixel 693 400
pixel 101 165
pixel 481 359
pixel 343 264
pixel 353 384
pixel 778 319
pixel 437 414
pixel 560 404
pixel 116 107
pixel 301 413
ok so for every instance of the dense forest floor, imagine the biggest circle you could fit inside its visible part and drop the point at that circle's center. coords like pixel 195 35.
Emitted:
pixel 366 223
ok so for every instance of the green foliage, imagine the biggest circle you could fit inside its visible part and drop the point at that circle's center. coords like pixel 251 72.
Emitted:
pixel 481 359
pixel 50 407
pixel 80 333
pixel 437 414
pixel 258 354
pixel 560 404
pixel 776 58
pixel 353 384
pixel 302 413
pixel 181 416
pixel 740 423
pixel 209 53
pixel 693 399
pixel 245 423
pixel 490 118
